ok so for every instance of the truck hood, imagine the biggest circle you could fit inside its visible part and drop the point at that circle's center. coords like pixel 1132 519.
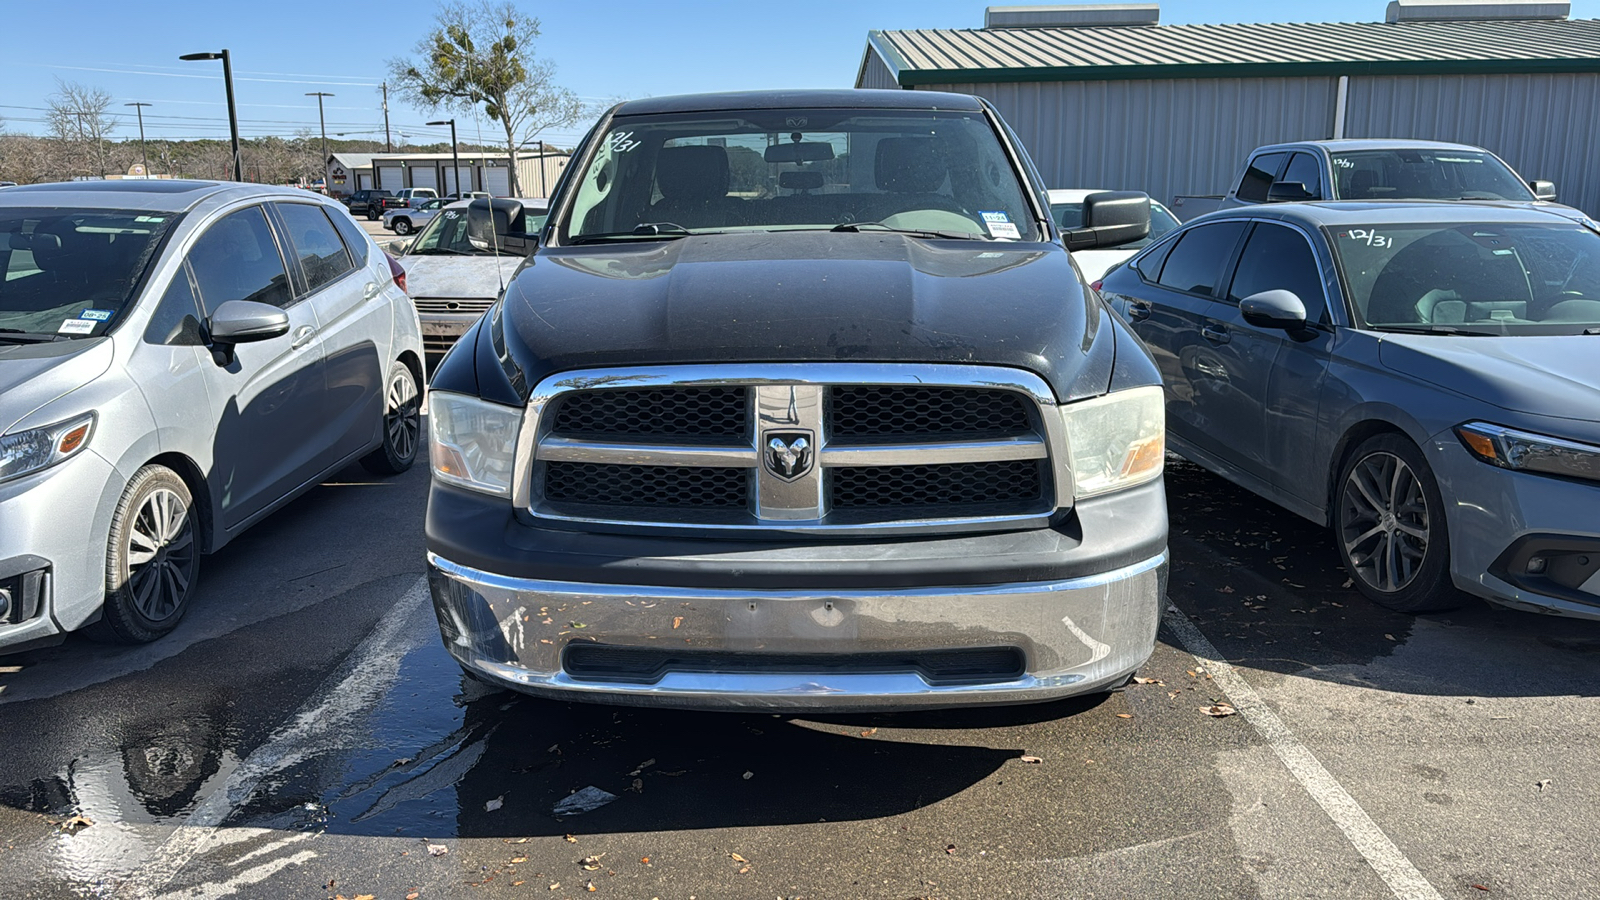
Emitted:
pixel 805 296
pixel 466 277
pixel 1544 375
pixel 32 375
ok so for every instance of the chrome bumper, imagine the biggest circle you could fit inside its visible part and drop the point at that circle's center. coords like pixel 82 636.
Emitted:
pixel 1077 636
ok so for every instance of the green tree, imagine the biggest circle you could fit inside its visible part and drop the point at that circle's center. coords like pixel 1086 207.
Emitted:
pixel 480 54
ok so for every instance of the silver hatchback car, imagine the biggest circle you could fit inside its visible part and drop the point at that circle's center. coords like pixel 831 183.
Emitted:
pixel 177 360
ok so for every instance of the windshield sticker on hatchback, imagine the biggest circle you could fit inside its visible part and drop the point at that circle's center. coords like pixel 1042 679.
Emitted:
pixel 97 315
pixel 1000 225
pixel 77 326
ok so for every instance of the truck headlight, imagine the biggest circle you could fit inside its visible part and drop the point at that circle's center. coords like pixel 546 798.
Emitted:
pixel 1512 449
pixel 1116 441
pixel 25 452
pixel 473 442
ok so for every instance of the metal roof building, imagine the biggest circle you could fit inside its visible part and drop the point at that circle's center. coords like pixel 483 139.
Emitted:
pixel 1105 97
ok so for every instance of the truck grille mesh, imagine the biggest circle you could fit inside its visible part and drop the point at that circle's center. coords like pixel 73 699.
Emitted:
pixel 603 484
pixel 923 413
pixel 961 484
pixel 690 412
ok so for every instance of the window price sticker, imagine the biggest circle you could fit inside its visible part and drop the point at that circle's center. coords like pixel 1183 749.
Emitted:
pixel 1000 225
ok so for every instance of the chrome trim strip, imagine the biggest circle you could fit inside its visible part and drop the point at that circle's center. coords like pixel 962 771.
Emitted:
pixel 473 576
pixel 555 449
pixel 775 527
pixel 935 453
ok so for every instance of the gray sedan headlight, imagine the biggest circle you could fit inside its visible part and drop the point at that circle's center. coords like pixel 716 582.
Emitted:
pixel 1116 441
pixel 474 442
pixel 1512 449
pixel 25 452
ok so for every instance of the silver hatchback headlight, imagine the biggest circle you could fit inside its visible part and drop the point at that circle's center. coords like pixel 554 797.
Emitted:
pixel 25 452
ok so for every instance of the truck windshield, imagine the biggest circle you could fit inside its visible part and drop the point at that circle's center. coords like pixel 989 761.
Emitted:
pixel 1478 278
pixel 1407 174
pixel 446 235
pixel 72 271
pixel 795 169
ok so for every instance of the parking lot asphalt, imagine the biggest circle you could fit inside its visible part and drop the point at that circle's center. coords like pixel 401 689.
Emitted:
pixel 303 735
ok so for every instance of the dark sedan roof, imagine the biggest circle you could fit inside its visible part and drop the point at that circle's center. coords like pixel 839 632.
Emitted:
pixel 1389 212
pixel 1350 145
pixel 799 99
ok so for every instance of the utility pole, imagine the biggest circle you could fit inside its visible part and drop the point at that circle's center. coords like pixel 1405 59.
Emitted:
pixel 388 145
pixel 143 152
pixel 233 113
pixel 324 122
pixel 455 153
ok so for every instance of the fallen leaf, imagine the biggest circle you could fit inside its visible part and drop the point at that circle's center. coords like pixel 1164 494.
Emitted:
pixel 365 897
pixel 571 839
pixel 1192 673
pixel 494 804
pixel 676 621
pixel 1218 710
pixel 1542 784
pixel 1389 636
pixel 1124 715
pixel 415 894
pixel 518 859
pixel 869 732
pixel 642 766
pixel 1480 887
pixel 589 886
pixel 950 849
pixel 745 870
pixel 749 775
pixel 1033 760
pixel 644 861
pixel 555 885
pixel 518 883
pixel 591 863
pixel 75 824
pixel 1139 680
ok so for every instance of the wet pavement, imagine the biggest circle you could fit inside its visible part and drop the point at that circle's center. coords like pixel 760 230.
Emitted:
pixel 303 734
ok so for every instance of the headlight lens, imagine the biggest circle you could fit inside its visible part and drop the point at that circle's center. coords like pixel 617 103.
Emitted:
pixel 1116 441
pixel 1512 449
pixel 25 452
pixel 474 442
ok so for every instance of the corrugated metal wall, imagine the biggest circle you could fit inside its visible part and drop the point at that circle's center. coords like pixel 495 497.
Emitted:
pixel 1545 126
pixel 1163 137
pixel 874 74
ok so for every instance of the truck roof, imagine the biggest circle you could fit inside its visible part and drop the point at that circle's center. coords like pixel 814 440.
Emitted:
pixel 800 99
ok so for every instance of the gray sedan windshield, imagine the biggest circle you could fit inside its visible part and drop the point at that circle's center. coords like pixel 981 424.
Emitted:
pixel 72 271
pixel 1412 174
pixel 765 170
pixel 1478 278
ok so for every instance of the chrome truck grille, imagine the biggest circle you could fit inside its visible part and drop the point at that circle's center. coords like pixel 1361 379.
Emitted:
pixel 463 305
pixel 813 447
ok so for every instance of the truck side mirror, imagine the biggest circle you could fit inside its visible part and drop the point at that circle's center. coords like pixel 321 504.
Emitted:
pixel 1288 192
pixel 500 225
pixel 1111 218
pixel 1543 190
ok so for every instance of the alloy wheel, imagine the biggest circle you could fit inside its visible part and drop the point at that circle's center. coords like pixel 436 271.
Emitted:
pixel 403 421
pixel 1384 522
pixel 161 555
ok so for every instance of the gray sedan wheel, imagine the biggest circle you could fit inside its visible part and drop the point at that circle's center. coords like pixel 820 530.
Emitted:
pixel 152 561
pixel 1390 527
pixel 402 226
pixel 402 424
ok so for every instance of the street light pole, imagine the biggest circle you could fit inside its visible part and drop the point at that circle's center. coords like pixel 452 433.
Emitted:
pixel 455 153
pixel 143 152
pixel 324 121
pixel 233 113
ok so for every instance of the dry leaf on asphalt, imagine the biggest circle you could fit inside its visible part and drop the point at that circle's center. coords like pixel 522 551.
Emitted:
pixel 75 824
pixel 676 621
pixel 749 775
pixel 737 858
pixel 1033 760
pixel 591 863
pixel 518 859
pixel 950 849
pixel 1542 784
pixel 437 849
pixel 1124 715
pixel 1389 636
pixel 869 732
pixel 571 839
pixel 555 886
pixel 1138 680
pixel 494 804
pixel 1218 710
pixel 589 886
pixel 413 895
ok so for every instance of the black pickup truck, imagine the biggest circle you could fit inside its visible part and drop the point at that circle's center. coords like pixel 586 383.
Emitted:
pixel 799 400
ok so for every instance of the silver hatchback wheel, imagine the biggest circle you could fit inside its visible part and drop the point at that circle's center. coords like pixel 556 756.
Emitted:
pixel 1385 527
pixel 402 423
pixel 161 555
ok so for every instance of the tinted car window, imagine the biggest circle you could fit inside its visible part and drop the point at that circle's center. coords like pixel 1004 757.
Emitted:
pixel 1194 264
pixel 1276 258
pixel 322 255
pixel 72 272
pixel 176 318
pixel 355 240
pixel 1258 177
pixel 1305 169
pixel 237 259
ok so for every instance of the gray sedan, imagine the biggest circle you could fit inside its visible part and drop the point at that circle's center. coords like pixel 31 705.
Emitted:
pixel 1419 377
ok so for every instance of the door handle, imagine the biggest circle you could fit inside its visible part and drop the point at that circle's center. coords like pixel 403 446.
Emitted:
pixel 302 337
pixel 370 291
pixel 1138 311
pixel 1216 334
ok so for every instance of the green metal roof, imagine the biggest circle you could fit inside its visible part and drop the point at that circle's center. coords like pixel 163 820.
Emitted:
pixel 952 56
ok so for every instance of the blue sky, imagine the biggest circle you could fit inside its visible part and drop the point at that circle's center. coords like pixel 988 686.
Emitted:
pixel 623 48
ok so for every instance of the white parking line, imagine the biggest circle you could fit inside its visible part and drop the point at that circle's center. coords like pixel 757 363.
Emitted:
pixel 1380 852
pixel 364 676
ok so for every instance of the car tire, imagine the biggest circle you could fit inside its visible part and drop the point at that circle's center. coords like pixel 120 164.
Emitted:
pixel 402 227
pixel 372 214
pixel 1389 526
pixel 152 559
pixel 402 423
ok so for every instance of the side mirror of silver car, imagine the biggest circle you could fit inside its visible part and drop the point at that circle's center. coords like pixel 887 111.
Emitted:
pixel 242 322
pixel 1274 309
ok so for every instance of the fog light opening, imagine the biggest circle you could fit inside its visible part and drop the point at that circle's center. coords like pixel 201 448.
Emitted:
pixel 1537 565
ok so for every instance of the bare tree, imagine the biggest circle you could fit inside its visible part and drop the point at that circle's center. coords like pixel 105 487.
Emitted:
pixel 481 53
pixel 78 120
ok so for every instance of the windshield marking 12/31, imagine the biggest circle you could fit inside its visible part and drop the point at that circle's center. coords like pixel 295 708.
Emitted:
pixel 943 173
pixel 1477 278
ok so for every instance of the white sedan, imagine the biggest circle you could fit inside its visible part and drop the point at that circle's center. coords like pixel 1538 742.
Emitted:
pixel 1066 207
pixel 407 219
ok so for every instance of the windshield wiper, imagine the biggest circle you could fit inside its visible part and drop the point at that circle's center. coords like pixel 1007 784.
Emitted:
pixel 444 250
pixel 919 232
pixel 1437 329
pixel 656 230
pixel 18 336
